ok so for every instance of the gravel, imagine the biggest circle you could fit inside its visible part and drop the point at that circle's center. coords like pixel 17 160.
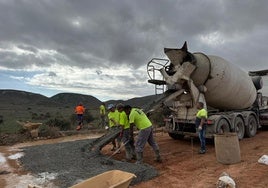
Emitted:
pixel 73 162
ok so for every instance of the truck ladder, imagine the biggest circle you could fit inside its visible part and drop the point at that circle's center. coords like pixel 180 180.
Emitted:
pixel 155 77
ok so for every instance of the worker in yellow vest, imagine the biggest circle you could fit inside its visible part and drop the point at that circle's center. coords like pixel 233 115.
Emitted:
pixel 200 123
pixel 102 115
pixel 113 117
pixel 139 119
pixel 127 140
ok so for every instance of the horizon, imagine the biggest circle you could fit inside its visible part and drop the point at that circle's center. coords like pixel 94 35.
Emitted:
pixel 15 90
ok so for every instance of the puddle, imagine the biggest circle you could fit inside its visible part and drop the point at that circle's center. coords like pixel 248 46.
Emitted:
pixel 16 178
pixel 15 156
pixel 2 159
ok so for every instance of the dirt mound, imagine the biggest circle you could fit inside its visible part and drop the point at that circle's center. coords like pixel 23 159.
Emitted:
pixel 10 139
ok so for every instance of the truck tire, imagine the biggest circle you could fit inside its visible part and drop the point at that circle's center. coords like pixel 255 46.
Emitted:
pixel 223 126
pixel 176 136
pixel 251 128
pixel 239 127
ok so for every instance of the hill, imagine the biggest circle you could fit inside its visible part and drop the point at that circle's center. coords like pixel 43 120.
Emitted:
pixel 26 106
pixel 140 102
pixel 16 97
pixel 72 99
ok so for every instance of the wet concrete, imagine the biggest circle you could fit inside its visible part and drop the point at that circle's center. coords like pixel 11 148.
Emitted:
pixel 72 162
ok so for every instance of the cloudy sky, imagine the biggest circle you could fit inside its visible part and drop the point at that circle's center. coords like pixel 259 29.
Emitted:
pixel 101 48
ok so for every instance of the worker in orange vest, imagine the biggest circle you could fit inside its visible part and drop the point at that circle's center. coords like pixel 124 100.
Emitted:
pixel 79 110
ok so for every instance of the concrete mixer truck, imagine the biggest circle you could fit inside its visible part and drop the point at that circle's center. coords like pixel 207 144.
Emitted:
pixel 230 94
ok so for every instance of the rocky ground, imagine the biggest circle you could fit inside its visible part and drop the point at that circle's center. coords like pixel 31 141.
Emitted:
pixel 60 162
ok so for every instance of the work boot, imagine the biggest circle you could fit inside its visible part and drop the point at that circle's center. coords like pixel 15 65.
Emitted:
pixel 158 157
pixel 126 160
pixel 132 152
pixel 128 154
pixel 78 127
pixel 139 156
pixel 113 148
pixel 134 157
pixel 201 151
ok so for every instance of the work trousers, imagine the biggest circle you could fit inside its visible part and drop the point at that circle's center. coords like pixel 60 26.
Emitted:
pixel 102 121
pixel 202 137
pixel 80 119
pixel 129 146
pixel 146 135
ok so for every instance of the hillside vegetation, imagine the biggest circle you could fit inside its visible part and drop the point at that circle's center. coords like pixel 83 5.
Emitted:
pixel 25 106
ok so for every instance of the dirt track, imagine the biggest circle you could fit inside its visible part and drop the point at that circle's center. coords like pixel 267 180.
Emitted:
pixel 182 166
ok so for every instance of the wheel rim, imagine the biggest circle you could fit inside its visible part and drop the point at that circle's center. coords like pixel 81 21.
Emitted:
pixel 239 127
pixel 252 125
pixel 223 126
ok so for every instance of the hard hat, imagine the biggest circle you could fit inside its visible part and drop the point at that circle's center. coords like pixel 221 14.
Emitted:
pixel 110 106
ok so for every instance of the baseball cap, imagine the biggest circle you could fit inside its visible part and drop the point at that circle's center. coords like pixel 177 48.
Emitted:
pixel 110 106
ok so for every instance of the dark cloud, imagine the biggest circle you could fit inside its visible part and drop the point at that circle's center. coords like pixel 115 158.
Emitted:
pixel 93 33
pixel 102 34
pixel 99 72
pixel 52 74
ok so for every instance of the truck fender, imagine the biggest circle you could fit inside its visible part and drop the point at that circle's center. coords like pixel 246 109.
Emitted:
pixel 218 119
pixel 233 117
pixel 238 124
pixel 246 115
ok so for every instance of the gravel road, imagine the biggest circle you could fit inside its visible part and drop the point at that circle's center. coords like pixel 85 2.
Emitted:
pixel 72 163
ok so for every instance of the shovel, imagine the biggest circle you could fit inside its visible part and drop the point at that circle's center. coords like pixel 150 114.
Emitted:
pixel 108 161
pixel 118 149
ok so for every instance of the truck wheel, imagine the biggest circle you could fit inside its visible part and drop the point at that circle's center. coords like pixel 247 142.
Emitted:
pixel 223 126
pixel 239 127
pixel 176 136
pixel 251 129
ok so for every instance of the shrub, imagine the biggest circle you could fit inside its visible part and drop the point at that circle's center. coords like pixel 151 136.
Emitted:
pixel 34 116
pixel 62 124
pixel 88 117
pixel 47 115
pixel 46 130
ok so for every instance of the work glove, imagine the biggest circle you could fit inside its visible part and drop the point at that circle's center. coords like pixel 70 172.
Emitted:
pixel 199 128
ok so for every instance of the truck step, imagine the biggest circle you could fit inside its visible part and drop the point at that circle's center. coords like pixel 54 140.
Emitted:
pixel 157 82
